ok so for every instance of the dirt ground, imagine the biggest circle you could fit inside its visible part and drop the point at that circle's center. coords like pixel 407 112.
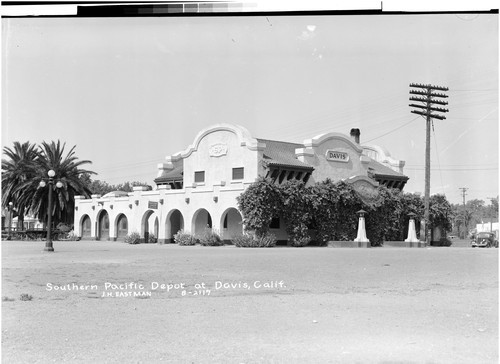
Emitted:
pixel 279 305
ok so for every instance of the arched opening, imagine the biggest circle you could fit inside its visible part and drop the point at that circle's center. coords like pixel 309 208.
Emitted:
pixel 145 226
pixel 232 224
pixel 174 223
pixel 103 226
pixel 121 227
pixel 86 228
pixel 201 221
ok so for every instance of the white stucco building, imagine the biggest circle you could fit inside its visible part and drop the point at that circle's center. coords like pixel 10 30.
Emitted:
pixel 198 187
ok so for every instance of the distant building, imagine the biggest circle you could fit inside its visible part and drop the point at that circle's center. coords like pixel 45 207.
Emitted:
pixel 487 226
pixel 198 187
pixel 30 222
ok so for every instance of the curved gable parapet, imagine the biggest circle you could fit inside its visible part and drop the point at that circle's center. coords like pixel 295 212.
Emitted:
pixel 320 139
pixel 381 152
pixel 382 155
pixel 358 179
pixel 242 133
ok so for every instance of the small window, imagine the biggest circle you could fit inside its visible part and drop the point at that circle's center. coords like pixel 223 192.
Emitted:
pixel 275 223
pixel 199 177
pixel 238 173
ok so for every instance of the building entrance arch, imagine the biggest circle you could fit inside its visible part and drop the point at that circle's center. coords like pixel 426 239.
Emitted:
pixel 121 227
pixel 174 223
pixel 231 224
pixel 201 221
pixel 86 227
pixel 145 228
pixel 103 226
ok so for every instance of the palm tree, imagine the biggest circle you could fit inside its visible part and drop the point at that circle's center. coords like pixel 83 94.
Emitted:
pixel 17 169
pixel 464 217
pixel 67 171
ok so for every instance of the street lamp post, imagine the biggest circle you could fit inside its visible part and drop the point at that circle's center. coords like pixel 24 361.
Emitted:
pixel 48 242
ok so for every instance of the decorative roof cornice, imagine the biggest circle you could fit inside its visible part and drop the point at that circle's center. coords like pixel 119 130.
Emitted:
pixel 319 139
pixel 244 137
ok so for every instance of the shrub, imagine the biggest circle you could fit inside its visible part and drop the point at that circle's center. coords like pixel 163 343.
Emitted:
pixel 244 241
pixel 72 236
pixel 183 238
pixel 250 241
pixel 210 237
pixel 62 227
pixel 25 297
pixel 133 238
pixel 442 242
pixel 259 204
pixel 152 239
pixel 299 241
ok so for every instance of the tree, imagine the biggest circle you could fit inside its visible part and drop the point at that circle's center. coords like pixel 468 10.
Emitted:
pixel 68 172
pixel 494 207
pixel 323 198
pixel 98 187
pixel 347 204
pixel 334 207
pixel 259 204
pixel 19 167
pixel 129 186
pixel 295 208
pixel 411 203
pixel 440 212
pixel 383 221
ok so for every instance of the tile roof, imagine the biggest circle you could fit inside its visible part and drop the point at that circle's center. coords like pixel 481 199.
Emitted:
pixel 282 154
pixel 173 175
pixel 379 170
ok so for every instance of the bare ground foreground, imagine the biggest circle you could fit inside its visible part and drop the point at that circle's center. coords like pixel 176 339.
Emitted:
pixel 286 305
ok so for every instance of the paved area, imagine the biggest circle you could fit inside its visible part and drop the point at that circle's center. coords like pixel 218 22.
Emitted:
pixel 234 305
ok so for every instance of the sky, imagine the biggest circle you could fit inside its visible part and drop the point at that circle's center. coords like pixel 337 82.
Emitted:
pixel 130 91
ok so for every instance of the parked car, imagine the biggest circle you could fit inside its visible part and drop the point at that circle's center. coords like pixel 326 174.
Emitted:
pixel 485 240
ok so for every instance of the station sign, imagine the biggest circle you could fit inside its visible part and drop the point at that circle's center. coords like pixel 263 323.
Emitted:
pixel 152 205
pixel 336 156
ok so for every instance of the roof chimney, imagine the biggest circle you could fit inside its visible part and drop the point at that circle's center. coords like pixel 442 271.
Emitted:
pixel 355 133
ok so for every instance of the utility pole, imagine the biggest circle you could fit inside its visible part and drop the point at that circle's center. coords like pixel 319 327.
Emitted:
pixel 464 190
pixel 428 98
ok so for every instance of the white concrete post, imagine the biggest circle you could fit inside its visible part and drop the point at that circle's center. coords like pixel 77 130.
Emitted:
pixel 412 233
pixel 361 238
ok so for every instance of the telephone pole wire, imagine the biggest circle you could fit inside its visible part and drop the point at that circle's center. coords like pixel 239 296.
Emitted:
pixel 428 98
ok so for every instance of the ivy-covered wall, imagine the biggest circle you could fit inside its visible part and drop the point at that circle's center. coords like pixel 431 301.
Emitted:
pixel 330 209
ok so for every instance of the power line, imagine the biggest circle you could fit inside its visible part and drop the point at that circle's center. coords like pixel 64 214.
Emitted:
pixel 486 90
pixel 453 169
pixel 458 165
pixel 389 132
